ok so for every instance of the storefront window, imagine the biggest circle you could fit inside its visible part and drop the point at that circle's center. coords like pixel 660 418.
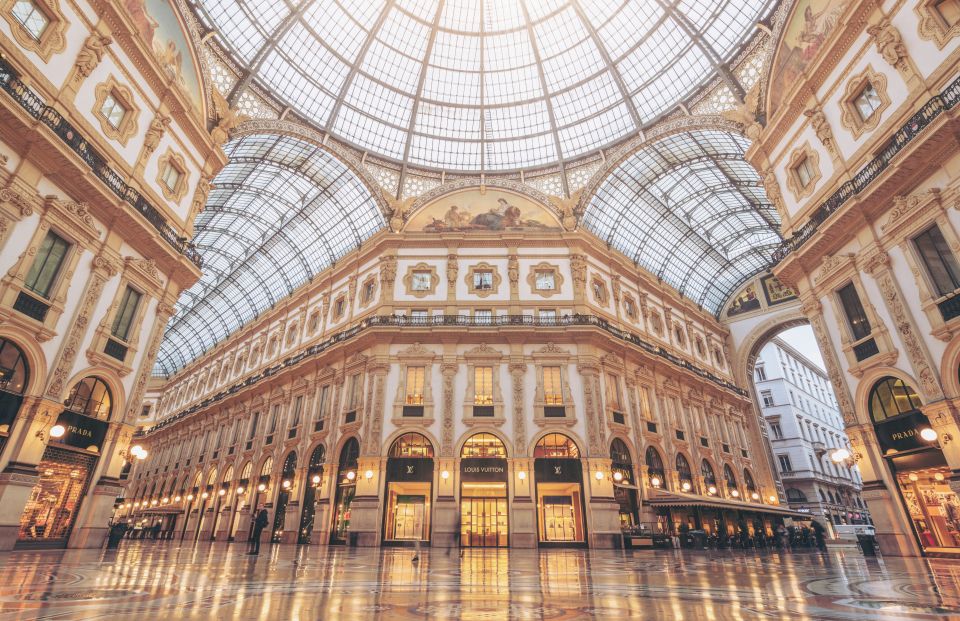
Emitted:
pixel 283 495
pixel 483 492
pixel 55 500
pixel 409 489
pixel 655 474
pixel 14 375
pixel 559 484
pixel 624 486
pixel 346 490
pixel 684 473
pixel 933 507
pixel 310 486
pixel 90 397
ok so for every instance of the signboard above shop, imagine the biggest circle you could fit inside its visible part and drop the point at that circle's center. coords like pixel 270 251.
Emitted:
pixel 82 432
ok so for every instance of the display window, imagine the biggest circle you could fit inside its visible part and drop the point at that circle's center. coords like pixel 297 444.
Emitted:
pixel 409 490
pixel 559 485
pixel 54 501
pixel 346 491
pixel 933 507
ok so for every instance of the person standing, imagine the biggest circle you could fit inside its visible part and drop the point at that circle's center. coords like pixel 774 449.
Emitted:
pixel 259 523
pixel 818 535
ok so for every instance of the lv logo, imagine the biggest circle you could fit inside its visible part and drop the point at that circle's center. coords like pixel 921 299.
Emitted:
pixel 556 469
pixel 409 469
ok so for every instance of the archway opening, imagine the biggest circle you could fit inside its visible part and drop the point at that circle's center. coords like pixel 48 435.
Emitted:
pixel 559 485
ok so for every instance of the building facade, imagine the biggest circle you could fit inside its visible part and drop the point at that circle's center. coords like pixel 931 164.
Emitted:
pixel 105 155
pixel 804 427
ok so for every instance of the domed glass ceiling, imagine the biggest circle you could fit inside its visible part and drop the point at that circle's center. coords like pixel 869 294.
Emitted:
pixel 477 85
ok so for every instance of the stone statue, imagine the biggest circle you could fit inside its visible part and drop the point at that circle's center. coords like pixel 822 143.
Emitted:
pixel 228 119
pixel 158 126
pixel 821 128
pixel 889 43
pixel 91 54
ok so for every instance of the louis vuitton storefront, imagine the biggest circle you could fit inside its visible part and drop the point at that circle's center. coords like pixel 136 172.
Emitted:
pixel 409 495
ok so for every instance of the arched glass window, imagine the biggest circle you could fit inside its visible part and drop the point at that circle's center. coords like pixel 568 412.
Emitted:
pixel 683 469
pixel 795 495
pixel 748 481
pixel 90 397
pixel 706 470
pixel 14 373
pixel 619 453
pixel 289 465
pixel 654 462
pixel 483 445
pixel 246 471
pixel 317 457
pixel 212 477
pixel 411 445
pixel 228 475
pixel 349 454
pixel 556 445
pixel 266 467
pixel 729 477
pixel 892 397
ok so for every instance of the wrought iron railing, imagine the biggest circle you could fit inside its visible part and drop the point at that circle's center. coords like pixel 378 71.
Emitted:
pixel 34 105
pixel 432 323
pixel 936 106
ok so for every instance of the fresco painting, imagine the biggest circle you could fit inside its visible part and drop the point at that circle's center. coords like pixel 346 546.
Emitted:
pixel 745 302
pixel 158 24
pixel 483 212
pixel 775 291
pixel 811 24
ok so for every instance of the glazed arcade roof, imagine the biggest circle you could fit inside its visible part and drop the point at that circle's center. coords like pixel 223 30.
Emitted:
pixel 480 85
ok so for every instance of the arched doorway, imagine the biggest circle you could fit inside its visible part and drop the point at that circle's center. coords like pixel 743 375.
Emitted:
pixel 243 489
pixel 655 472
pixel 310 486
pixel 409 490
pixel 262 491
pixel 624 484
pixel 346 490
pixel 14 375
pixel 204 500
pixel 287 480
pixel 483 492
pixel 221 494
pixel 559 484
pixel 912 450
pixel 684 473
pixel 67 465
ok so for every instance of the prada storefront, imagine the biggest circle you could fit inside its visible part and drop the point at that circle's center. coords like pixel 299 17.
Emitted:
pixel 911 448
pixel 483 493
pixel 409 490
pixel 559 485
pixel 66 467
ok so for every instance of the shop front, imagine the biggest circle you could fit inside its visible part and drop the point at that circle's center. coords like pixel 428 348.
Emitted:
pixel 14 375
pixel 483 493
pixel 409 490
pixel 624 485
pixel 310 487
pixel 912 452
pixel 559 486
pixel 67 467
pixel 283 496
pixel 346 491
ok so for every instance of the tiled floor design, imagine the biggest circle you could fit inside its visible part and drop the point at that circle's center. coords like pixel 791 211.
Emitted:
pixel 145 580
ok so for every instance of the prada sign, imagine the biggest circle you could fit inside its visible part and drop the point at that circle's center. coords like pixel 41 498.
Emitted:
pixel 475 469
pixel 82 431
pixel 558 470
pixel 903 433
pixel 415 469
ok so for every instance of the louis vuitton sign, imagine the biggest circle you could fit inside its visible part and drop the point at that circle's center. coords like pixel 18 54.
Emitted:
pixel 473 469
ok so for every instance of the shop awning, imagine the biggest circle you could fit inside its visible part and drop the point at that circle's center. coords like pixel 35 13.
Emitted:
pixel 679 499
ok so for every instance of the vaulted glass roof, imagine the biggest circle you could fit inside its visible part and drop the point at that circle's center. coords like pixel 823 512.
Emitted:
pixel 476 85
pixel 690 210
pixel 281 210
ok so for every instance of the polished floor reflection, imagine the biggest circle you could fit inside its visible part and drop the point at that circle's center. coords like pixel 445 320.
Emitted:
pixel 166 580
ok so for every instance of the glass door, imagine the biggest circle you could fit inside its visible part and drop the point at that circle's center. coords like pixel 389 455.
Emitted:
pixel 483 522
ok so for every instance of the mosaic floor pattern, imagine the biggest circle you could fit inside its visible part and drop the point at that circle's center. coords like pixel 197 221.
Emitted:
pixel 166 580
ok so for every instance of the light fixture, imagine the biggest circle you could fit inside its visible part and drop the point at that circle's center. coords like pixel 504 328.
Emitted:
pixel 938 476
pixel 189 497
pixel 57 431
pixel 655 481
pixel 176 499
pixel 262 487
pixel 285 483
pixel 927 433
pixel 136 452
pixel 617 476
pixel 240 491
pixel 840 455
pixel 598 475
pixel 128 505
pixel 221 492
pixel 521 475
pixel 204 495
pixel 369 474
pixel 913 477
pixel 351 475
pixel 712 489
pixel 136 504
pixel 755 496
pixel 443 475
pixel 153 502
pixel 773 499
pixel 165 500
pixel 734 493
pixel 686 486
pixel 316 479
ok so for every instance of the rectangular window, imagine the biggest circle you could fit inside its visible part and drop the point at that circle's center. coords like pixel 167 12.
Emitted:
pixel 483 280
pixel 297 411
pixel 545 280
pixel 776 431
pixel 171 177
pixel 483 386
pixel 939 260
pixel 355 387
pixel 785 465
pixel 31 17
pixel 613 392
pixel 483 316
pixel 804 171
pixel 767 397
pixel 853 309
pixel 273 419
pixel 761 374
pixel 418 316
pixel 324 405
pixel 420 281
pixel 338 307
pixel 254 423
pixel 415 381
pixel 867 101
pixel 630 307
pixel 47 264
pixel 124 317
pixel 368 289
pixel 113 111
pixel 547 315
pixel 552 386
pixel 949 11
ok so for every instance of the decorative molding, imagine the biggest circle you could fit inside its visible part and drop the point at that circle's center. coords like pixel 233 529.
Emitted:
pixel 850 118
pixel 421 267
pixel 449 371
pixel 90 56
pixel 156 130
pixel 889 43
pixel 793 178
pixel 830 264
pixel 176 161
pixel 931 25
pixel 821 127
pixel 495 279
pixel 518 370
pixel 124 96
pixel 543 266
pixel 52 40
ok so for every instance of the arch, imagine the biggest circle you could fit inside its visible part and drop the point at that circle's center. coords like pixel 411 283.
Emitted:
pixel 748 481
pixel 950 369
pixel 112 380
pixel 795 495
pixel 554 445
pixel 620 453
pixel 542 433
pixel 318 456
pixel 212 476
pixel 496 433
pixel 289 465
pixel 349 452
pixel 246 471
pixel 790 315
pixel 653 460
pixel 35 360
pixel 227 475
pixel 483 444
pixel 397 434
pixel 411 444
pixel 684 472
pixel 90 396
pixel 730 478
pixel 266 466
pixel 871 377
pixel 708 473
pixel 14 368
pixel 890 397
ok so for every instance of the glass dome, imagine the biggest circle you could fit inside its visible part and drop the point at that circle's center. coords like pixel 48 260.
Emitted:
pixel 474 85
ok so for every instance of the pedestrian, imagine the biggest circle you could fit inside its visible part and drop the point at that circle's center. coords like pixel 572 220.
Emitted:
pixel 455 541
pixel 818 535
pixel 782 537
pixel 259 523
pixel 416 552
pixel 156 531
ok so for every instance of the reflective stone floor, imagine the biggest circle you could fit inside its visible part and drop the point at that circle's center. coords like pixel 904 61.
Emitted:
pixel 148 580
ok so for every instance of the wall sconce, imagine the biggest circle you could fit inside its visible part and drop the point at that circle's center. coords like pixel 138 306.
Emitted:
pixel 204 495
pixel 521 475
pixel 928 434
pixel 773 499
pixel 190 497
pixel 351 475
pixel 57 431
pixel 136 504
pixel 598 475
pixel 685 486
pixel 316 479
pixel 221 492
pixel 127 506
pixel 369 475
pixel 153 503
pixel 444 475
pixel 176 499
pixel 165 500
pixel 618 476
pixel 734 493
pixel 286 484
pixel 712 490
pixel 755 496
pixel 240 491
pixel 262 487
pixel 655 481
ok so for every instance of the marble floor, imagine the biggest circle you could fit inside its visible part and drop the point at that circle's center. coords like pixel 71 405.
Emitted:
pixel 147 580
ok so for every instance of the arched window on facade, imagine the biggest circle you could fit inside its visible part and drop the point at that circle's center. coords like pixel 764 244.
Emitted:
pixel 483 445
pixel 90 397
pixel 731 481
pixel 655 472
pixel 556 445
pixel 684 473
pixel 14 375
pixel 891 397
pixel 411 445
pixel 795 495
